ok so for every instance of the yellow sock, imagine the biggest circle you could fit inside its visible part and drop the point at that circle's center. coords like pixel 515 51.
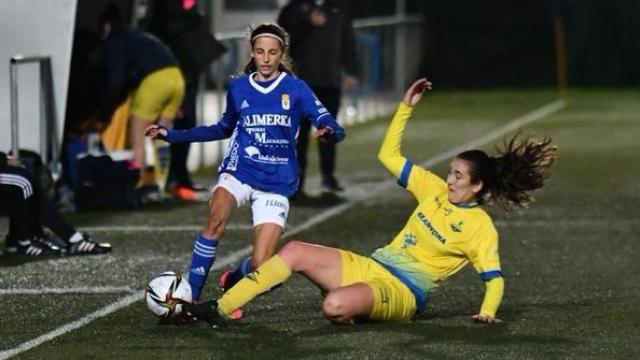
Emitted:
pixel 273 272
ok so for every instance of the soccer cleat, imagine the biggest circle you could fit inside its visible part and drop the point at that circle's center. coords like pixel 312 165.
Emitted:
pixel 38 246
pixel 87 246
pixel 179 319
pixel 184 193
pixel 205 311
pixel 49 243
pixel 236 314
pixel 225 278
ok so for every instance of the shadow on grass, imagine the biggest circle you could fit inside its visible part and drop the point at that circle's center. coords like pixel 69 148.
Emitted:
pixel 415 339
pixel 13 260
pixel 326 199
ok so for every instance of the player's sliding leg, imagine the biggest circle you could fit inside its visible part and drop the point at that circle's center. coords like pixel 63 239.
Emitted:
pixel 205 247
pixel 265 241
pixel 322 265
pixel 270 274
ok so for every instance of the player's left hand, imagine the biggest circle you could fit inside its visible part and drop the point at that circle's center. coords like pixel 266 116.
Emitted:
pixel 323 134
pixel 482 318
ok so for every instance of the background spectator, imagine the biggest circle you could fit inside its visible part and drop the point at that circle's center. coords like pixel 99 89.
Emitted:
pixel 182 27
pixel 322 48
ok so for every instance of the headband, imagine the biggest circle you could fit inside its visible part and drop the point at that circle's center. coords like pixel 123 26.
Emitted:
pixel 266 34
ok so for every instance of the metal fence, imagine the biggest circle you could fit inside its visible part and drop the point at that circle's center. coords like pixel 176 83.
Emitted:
pixel 388 51
pixel 48 134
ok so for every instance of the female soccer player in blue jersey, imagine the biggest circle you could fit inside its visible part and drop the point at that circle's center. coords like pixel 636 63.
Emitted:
pixel 448 229
pixel 264 109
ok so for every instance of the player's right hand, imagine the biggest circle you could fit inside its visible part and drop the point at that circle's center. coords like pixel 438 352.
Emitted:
pixel 415 91
pixel 482 318
pixel 156 132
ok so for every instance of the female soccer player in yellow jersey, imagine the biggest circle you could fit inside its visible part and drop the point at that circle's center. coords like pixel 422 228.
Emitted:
pixel 448 229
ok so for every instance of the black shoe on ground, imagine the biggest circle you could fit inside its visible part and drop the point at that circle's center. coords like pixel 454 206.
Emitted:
pixel 330 183
pixel 87 246
pixel 205 311
pixel 181 319
pixel 38 246
pixel 148 194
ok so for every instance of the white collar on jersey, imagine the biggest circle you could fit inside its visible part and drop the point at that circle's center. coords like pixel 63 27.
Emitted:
pixel 266 90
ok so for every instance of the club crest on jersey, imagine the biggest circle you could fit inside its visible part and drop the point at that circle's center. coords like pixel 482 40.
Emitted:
pixel 286 103
pixel 457 227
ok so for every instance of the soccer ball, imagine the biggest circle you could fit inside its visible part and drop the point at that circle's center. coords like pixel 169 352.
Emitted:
pixel 165 294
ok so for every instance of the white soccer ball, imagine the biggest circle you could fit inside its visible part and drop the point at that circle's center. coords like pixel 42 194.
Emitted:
pixel 165 294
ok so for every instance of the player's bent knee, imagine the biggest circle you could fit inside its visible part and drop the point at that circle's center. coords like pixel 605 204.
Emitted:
pixel 291 252
pixel 334 306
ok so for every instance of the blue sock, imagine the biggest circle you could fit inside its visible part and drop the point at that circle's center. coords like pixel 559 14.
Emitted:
pixel 204 253
pixel 243 269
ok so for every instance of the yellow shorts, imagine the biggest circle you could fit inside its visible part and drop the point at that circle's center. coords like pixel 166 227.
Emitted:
pixel 159 94
pixel 393 301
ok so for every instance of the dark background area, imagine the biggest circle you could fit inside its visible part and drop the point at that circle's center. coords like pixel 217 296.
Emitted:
pixel 488 43
pixel 506 43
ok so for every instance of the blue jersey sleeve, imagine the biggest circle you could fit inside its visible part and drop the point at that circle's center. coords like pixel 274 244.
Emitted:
pixel 222 130
pixel 320 117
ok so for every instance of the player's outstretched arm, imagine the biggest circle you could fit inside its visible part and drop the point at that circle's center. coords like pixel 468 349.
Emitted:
pixel 492 299
pixel 221 130
pixel 389 154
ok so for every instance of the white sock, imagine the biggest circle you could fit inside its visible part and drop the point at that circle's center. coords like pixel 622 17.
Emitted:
pixel 76 237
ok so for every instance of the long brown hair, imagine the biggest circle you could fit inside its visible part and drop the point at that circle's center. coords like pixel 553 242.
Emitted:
pixel 521 166
pixel 286 64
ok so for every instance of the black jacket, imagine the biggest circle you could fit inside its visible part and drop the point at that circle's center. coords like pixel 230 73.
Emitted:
pixel 320 54
pixel 187 34
pixel 131 55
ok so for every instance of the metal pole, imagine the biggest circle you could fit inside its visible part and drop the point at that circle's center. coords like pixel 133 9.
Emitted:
pixel 43 113
pixel 14 106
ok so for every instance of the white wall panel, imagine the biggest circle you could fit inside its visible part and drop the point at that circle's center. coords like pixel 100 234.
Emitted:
pixel 34 28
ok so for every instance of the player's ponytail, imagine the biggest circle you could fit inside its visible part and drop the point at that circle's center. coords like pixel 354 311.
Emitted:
pixel 519 168
pixel 274 31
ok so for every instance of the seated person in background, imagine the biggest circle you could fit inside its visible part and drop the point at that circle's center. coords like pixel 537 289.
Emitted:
pixel 141 64
pixel 21 199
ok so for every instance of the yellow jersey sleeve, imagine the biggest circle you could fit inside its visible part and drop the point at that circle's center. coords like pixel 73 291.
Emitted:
pixel 483 252
pixel 389 153
pixel 484 256
pixel 414 178
pixel 492 296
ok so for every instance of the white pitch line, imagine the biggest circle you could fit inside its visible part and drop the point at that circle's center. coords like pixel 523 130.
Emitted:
pixel 149 228
pixel 512 125
pixel 73 290
pixel 126 301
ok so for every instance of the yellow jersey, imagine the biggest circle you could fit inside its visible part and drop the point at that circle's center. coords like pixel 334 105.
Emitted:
pixel 440 237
